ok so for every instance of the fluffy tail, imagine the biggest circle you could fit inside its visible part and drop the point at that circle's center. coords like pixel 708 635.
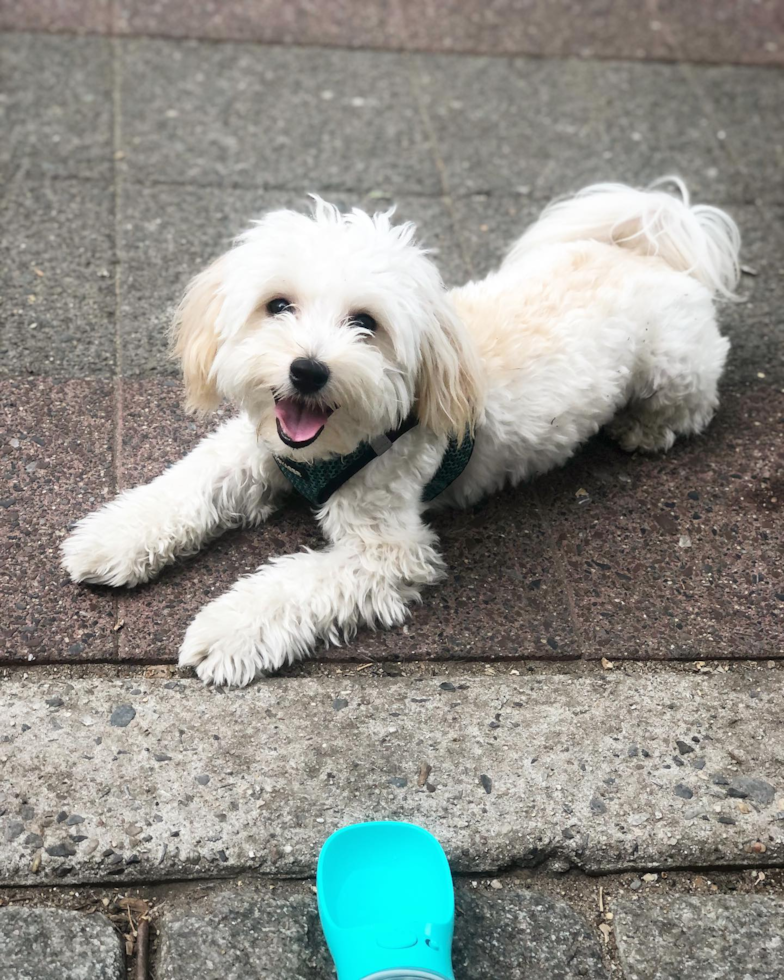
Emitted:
pixel 697 239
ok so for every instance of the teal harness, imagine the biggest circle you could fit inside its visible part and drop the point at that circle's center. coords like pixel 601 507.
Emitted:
pixel 317 481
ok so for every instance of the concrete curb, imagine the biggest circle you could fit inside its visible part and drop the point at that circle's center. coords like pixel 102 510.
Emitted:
pixel 138 780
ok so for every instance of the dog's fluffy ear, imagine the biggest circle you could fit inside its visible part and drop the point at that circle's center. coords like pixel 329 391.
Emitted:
pixel 196 338
pixel 450 392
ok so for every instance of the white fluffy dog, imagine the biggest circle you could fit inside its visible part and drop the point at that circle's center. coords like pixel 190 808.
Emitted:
pixel 334 337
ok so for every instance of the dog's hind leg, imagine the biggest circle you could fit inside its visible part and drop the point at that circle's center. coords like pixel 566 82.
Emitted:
pixel 672 396
pixel 648 427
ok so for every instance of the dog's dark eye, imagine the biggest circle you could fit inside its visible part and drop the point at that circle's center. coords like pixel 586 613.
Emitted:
pixel 278 305
pixel 364 321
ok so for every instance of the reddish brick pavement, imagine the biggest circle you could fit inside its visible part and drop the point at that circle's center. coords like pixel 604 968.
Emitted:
pixel 719 31
pixel 674 557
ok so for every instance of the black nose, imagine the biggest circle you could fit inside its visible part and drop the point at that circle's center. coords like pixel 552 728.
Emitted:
pixel 308 375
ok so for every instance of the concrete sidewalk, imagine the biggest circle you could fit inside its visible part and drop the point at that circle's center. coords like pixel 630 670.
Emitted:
pixel 587 712
pixel 143 781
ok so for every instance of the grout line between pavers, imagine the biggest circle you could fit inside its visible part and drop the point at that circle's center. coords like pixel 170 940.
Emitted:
pixel 392 193
pixel 347 668
pixel 561 571
pixel 529 876
pixel 415 82
pixel 118 362
pixel 114 19
pixel 116 30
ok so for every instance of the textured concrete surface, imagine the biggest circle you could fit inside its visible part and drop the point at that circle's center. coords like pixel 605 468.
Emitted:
pixel 270 117
pixel 717 938
pixel 144 780
pixel 55 106
pixel 55 462
pixel 520 934
pixel 678 556
pixel 255 933
pixel 553 127
pixel 715 30
pixel 79 16
pixel 743 106
pixel 53 944
pixel 755 326
pixel 490 223
pixel 57 279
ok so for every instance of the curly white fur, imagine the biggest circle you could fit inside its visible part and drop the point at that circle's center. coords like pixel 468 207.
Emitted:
pixel 602 314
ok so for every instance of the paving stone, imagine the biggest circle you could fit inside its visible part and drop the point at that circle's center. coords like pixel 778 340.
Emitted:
pixel 55 106
pixel 756 326
pixel 721 30
pixel 258 934
pixel 745 104
pixel 56 452
pixel 678 555
pixel 520 934
pixel 490 223
pixel 55 944
pixel 74 16
pixel 346 23
pixel 503 597
pixel 169 233
pixel 551 127
pixel 288 765
pixel 57 294
pixel 272 117
pixel 715 31
pixel 252 934
pixel 716 937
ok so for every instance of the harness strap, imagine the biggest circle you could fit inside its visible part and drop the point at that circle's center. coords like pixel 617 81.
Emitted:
pixel 317 481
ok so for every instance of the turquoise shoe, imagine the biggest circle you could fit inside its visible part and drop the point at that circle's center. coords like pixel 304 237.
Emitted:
pixel 386 903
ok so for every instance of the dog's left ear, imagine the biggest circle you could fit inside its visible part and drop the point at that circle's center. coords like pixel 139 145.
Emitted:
pixel 450 391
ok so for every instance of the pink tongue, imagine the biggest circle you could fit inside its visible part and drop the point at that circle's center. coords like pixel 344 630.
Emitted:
pixel 298 420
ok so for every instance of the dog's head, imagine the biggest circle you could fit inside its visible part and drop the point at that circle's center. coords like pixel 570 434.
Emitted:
pixel 328 330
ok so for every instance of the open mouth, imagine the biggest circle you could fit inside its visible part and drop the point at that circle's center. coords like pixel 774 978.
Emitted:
pixel 300 422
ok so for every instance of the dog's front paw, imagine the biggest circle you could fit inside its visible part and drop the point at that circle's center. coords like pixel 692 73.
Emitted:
pixel 223 647
pixel 108 549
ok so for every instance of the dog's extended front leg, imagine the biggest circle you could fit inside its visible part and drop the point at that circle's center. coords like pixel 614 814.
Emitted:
pixel 367 576
pixel 228 479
